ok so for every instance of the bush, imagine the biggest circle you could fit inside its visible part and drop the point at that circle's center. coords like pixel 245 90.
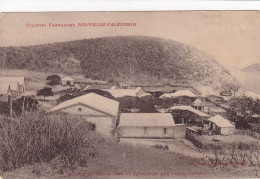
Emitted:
pixel 53 80
pixel 40 137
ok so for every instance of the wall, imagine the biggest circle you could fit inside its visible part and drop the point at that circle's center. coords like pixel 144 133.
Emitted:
pixel 227 130
pixel 104 123
pixel 177 131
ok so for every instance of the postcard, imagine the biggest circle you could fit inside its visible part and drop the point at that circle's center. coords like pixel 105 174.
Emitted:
pixel 159 94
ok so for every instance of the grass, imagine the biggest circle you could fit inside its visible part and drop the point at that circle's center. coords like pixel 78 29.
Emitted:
pixel 122 160
pixel 224 142
pixel 54 146
pixel 38 137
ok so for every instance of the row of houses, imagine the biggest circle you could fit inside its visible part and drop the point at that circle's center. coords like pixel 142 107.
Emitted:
pixel 11 87
pixel 104 113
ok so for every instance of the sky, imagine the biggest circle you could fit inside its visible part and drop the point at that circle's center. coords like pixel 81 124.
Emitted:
pixel 231 37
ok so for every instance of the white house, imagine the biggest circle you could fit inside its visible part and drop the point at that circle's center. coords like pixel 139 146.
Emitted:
pixel 94 108
pixel 178 94
pixel 221 125
pixel 149 125
pixel 67 81
pixel 118 93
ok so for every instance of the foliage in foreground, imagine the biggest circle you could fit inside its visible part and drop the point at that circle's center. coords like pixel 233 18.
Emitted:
pixel 40 137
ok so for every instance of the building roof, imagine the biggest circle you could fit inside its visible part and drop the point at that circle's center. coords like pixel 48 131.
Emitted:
pixel 14 82
pixel 19 80
pixel 4 88
pixel 177 94
pixel 197 102
pixel 220 121
pixel 118 93
pixel 146 119
pixel 67 79
pixel 189 108
pixel 92 100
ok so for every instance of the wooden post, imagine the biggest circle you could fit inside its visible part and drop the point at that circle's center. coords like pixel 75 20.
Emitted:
pixel 11 108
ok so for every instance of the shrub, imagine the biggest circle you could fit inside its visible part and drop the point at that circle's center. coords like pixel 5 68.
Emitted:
pixel 53 80
pixel 40 137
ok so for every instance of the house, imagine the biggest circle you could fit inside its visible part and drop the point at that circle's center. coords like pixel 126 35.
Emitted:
pixel 221 125
pixel 5 92
pixel 67 81
pixel 197 104
pixel 188 108
pixel 118 93
pixel 11 86
pixel 94 108
pixel 149 125
pixel 178 94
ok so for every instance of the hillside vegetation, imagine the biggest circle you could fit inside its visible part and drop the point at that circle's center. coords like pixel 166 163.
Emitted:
pixel 132 59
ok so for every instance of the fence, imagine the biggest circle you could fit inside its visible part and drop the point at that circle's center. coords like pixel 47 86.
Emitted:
pixel 189 132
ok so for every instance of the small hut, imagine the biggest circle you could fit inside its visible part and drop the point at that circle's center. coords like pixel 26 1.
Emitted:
pixel 221 125
pixel 67 81
pixel 197 104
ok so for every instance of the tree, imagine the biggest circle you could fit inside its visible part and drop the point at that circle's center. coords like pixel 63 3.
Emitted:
pixel 45 92
pixel 233 86
pixel 53 80
pixel 241 109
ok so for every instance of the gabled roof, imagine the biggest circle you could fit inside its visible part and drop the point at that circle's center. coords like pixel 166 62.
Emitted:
pixel 14 82
pixel 94 101
pixel 189 108
pixel 14 85
pixel 19 80
pixel 197 102
pixel 4 88
pixel 118 93
pixel 67 79
pixel 220 121
pixel 177 94
pixel 146 119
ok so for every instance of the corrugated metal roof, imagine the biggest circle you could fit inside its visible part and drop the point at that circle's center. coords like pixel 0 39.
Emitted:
pixel 189 108
pixel 93 100
pixel 146 119
pixel 220 121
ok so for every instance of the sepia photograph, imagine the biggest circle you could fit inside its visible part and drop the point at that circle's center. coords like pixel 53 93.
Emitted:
pixel 159 94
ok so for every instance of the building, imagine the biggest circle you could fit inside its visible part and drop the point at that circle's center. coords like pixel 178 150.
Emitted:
pixel 67 81
pixel 5 92
pixel 197 104
pixel 188 108
pixel 94 108
pixel 11 86
pixel 118 93
pixel 149 125
pixel 178 93
pixel 221 125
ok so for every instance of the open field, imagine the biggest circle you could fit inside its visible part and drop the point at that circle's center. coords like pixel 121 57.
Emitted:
pixel 122 160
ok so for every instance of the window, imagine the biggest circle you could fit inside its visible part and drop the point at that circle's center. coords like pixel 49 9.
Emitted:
pixel 80 109
pixel 164 130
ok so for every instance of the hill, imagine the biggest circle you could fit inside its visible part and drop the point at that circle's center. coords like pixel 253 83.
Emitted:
pixel 131 59
pixel 252 68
